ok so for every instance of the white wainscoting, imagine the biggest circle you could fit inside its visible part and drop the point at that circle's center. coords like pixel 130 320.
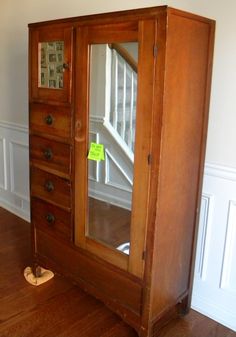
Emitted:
pixel 14 169
pixel 214 291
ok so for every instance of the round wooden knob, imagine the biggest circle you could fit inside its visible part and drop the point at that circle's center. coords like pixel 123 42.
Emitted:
pixel 49 186
pixel 50 218
pixel 48 154
pixel 49 120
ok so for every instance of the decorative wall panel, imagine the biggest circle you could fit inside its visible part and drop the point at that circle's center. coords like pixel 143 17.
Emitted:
pixel 14 169
pixel 214 291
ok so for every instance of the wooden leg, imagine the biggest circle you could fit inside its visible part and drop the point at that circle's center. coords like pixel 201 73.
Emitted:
pixel 180 309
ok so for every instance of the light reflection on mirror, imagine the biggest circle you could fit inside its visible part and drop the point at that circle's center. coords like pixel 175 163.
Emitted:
pixel 112 122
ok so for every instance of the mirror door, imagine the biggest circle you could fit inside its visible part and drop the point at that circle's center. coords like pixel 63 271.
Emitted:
pixel 106 150
pixel 112 125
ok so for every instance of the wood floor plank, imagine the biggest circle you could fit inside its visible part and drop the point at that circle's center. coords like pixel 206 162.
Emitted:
pixel 44 319
pixel 60 309
pixel 29 297
pixel 100 320
pixel 120 329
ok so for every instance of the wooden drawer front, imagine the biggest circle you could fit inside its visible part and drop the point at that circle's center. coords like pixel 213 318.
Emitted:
pixel 52 219
pixel 51 188
pixel 51 120
pixel 104 281
pixel 54 154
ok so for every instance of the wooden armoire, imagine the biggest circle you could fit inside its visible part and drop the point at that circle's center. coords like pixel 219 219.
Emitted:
pixel 118 110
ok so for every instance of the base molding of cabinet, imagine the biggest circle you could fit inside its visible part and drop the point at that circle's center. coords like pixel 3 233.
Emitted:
pixel 179 309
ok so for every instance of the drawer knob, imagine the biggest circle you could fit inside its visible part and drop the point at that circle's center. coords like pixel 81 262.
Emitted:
pixel 50 218
pixel 48 154
pixel 65 66
pixel 49 186
pixel 49 120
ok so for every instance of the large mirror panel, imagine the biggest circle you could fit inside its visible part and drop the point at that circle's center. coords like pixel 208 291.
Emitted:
pixel 112 122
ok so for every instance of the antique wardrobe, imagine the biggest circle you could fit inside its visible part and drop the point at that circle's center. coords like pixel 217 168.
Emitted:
pixel 118 107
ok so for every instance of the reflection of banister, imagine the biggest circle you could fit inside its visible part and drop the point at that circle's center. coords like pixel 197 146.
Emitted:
pixel 124 53
pixel 123 94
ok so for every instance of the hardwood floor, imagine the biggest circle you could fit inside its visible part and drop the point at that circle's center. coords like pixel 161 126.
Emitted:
pixel 59 308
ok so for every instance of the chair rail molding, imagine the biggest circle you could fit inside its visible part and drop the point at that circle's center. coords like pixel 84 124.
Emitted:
pixel 14 169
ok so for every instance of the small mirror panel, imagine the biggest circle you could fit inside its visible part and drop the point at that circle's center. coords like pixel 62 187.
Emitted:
pixel 51 60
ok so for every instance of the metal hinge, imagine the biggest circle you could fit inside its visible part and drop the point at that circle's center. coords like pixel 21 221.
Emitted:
pixel 144 255
pixel 155 50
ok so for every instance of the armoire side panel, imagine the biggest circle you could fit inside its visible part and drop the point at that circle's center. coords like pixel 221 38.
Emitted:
pixel 185 114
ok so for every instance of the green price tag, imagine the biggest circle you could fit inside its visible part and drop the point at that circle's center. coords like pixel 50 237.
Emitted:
pixel 96 152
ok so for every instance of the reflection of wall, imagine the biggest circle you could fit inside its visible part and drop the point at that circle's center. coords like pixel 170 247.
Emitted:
pixel 98 81
pixel 132 48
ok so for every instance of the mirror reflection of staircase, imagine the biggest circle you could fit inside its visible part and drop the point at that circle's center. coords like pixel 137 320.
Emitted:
pixel 113 121
pixel 123 94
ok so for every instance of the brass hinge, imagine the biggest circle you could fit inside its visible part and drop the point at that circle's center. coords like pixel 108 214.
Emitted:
pixel 155 50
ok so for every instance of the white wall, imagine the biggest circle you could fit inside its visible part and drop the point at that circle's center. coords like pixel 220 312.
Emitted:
pixel 15 15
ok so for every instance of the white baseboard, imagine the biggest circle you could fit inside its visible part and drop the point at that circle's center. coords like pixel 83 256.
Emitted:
pixel 213 311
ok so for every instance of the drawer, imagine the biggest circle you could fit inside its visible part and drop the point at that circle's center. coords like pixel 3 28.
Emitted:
pixel 51 219
pixel 51 188
pixel 54 155
pixel 50 120
pixel 104 282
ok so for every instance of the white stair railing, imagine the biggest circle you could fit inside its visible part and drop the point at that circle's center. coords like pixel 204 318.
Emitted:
pixel 123 99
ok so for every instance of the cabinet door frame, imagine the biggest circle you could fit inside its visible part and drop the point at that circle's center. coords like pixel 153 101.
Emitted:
pixel 142 32
pixel 47 34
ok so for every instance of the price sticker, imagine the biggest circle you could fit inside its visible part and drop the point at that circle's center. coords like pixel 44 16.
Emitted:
pixel 96 152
